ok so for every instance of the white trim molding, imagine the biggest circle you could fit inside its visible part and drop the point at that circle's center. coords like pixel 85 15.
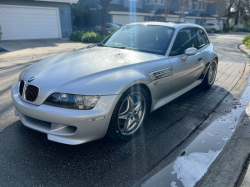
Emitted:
pixel 130 13
pixel 169 15
pixel 61 1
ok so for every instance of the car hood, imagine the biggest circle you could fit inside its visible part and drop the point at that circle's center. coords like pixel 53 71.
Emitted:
pixel 57 71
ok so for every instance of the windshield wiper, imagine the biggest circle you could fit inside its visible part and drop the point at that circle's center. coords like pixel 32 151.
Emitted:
pixel 121 47
pixel 102 44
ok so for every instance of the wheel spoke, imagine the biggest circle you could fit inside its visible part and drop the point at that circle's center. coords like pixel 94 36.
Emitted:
pixel 131 102
pixel 127 109
pixel 137 106
pixel 123 116
pixel 127 125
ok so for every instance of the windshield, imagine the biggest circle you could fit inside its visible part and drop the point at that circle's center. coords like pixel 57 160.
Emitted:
pixel 146 38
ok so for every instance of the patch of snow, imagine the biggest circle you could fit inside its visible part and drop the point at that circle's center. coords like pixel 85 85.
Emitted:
pixel 190 169
pixel 224 120
pixel 232 128
pixel 225 138
pixel 173 184
pixel 210 134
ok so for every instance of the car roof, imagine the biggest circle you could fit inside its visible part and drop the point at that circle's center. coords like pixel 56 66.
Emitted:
pixel 167 24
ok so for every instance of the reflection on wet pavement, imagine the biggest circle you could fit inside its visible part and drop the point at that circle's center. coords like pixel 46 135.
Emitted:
pixel 191 166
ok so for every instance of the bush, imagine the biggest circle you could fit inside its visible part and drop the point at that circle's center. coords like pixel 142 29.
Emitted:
pixel 92 37
pixel 87 37
pixel 77 36
pixel 241 30
pixel 246 41
pixel 0 32
pixel 246 38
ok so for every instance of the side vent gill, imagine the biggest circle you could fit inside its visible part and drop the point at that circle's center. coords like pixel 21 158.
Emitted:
pixel 160 73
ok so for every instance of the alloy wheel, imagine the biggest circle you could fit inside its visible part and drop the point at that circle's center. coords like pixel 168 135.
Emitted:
pixel 212 72
pixel 131 113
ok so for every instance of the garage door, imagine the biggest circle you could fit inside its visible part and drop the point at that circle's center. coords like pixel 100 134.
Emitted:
pixel 120 19
pixel 29 23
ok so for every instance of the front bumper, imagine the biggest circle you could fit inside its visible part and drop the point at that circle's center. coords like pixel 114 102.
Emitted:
pixel 66 125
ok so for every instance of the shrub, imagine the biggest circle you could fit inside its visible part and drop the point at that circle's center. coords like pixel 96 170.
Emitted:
pixel 87 37
pixel 241 30
pixel 0 32
pixel 92 37
pixel 246 41
pixel 77 36
pixel 246 38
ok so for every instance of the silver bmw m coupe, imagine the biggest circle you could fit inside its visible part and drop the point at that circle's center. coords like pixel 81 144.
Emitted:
pixel 83 95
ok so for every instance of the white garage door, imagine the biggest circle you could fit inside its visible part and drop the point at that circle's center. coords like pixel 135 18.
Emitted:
pixel 29 23
pixel 120 19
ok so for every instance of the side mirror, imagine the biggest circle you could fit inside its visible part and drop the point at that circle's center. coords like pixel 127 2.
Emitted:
pixel 189 52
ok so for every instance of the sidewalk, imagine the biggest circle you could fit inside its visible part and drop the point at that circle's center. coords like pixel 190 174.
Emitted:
pixel 226 170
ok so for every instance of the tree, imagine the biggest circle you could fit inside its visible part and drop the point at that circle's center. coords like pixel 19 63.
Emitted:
pixel 82 8
pixel 167 4
pixel 242 9
pixel 104 4
pixel 183 5
pixel 219 6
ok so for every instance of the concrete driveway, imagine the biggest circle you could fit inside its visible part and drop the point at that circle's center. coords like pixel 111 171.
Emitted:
pixel 23 49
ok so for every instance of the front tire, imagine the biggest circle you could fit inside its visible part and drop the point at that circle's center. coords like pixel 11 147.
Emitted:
pixel 209 79
pixel 129 114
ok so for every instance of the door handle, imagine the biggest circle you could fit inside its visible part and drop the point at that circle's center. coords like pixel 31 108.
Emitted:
pixel 200 59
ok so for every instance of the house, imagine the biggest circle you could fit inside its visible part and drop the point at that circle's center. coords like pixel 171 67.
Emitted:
pixel 35 19
pixel 128 11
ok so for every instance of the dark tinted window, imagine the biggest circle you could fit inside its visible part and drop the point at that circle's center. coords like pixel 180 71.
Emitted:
pixel 202 39
pixel 146 38
pixel 184 40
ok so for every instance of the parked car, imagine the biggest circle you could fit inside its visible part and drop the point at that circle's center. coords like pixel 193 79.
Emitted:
pixel 83 95
pixel 212 27
pixel 109 27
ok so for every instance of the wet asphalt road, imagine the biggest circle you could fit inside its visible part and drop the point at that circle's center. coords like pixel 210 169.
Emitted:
pixel 27 158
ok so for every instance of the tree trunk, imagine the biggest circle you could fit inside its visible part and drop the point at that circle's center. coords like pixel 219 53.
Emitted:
pixel 165 9
pixel 228 15
pixel 104 20
pixel 237 14
pixel 104 4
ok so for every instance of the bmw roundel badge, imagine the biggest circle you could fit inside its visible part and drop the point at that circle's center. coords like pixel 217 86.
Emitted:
pixel 31 79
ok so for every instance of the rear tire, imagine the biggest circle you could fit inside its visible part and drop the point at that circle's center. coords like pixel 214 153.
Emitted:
pixel 127 120
pixel 210 76
pixel 212 30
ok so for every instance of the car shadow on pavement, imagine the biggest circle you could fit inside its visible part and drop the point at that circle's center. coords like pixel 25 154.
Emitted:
pixel 31 159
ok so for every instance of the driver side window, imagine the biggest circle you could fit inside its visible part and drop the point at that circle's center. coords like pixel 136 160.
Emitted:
pixel 184 40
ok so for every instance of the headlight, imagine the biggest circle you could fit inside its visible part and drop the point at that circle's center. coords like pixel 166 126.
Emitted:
pixel 79 102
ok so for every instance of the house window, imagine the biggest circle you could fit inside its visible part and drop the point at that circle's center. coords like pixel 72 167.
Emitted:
pixel 159 2
pixel 149 2
pixel 196 5
pixel 202 6
pixel 134 0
